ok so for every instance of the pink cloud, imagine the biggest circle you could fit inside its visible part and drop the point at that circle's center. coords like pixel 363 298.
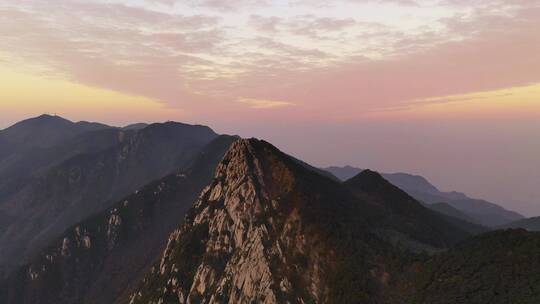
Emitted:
pixel 229 4
pixel 503 52
pixel 302 25
pixel 112 46
pixel 193 61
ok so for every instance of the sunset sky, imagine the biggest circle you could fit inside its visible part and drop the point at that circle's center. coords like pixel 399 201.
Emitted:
pixel 449 89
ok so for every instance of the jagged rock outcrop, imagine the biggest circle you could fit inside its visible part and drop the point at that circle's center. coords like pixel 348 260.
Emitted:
pixel 223 246
pixel 268 230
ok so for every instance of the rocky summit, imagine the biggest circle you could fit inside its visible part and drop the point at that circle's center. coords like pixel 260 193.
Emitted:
pixel 253 236
pixel 270 230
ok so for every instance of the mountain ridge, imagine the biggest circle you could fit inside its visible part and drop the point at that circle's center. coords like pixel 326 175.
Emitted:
pixel 270 230
pixel 480 211
pixel 188 216
pixel 85 181
pixel 403 213
pixel 46 130
pixel 102 256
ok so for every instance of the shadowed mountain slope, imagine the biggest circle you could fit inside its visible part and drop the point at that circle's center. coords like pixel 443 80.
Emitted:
pixel 447 209
pixel 497 267
pixel 89 182
pixel 478 211
pixel 33 145
pixel 400 212
pixel 100 258
pixel 20 168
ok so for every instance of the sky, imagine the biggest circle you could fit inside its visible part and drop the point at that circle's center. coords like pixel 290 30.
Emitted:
pixel 449 89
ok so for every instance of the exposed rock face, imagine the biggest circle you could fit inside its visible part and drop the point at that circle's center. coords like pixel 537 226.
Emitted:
pixel 257 234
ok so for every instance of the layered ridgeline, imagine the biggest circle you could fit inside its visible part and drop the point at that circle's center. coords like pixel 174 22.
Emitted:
pixel 453 203
pixel 99 259
pixel 55 181
pixel 270 230
pixel 399 212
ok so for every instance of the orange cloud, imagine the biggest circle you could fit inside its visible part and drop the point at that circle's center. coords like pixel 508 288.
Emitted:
pixel 79 102
pixel 263 103
pixel 515 103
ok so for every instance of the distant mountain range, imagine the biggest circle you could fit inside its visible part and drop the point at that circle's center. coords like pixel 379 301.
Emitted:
pixel 175 213
pixel 44 131
pixel 51 181
pixel 104 256
pixel 456 204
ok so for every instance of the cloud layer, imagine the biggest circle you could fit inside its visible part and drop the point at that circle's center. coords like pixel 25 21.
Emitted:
pixel 302 52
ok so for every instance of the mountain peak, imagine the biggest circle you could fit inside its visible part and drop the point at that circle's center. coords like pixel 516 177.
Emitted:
pixel 411 182
pixel 263 165
pixel 171 128
pixel 44 119
pixel 52 123
pixel 367 173
pixel 266 230
pixel 49 116
pixel 368 181
pixel 42 131
pixel 269 230
pixel 135 126
pixel 248 148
